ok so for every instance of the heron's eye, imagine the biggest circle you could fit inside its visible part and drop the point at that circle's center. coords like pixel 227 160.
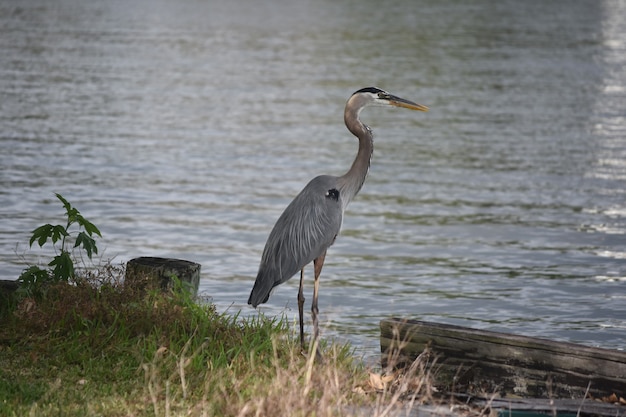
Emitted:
pixel 383 96
pixel 333 194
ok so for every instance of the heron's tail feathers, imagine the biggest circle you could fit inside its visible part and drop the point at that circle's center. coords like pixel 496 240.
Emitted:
pixel 261 290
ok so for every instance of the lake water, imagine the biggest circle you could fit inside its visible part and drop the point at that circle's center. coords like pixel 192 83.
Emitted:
pixel 183 129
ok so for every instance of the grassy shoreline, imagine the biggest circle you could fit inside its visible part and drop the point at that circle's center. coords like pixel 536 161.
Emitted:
pixel 95 347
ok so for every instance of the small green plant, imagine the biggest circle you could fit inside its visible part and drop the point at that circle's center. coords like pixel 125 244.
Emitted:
pixel 62 264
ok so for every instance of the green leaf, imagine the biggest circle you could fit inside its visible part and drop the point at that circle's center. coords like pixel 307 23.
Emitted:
pixel 48 231
pixel 58 232
pixel 66 203
pixel 32 281
pixel 88 243
pixel 63 266
pixel 72 216
pixel 70 211
pixel 33 275
pixel 90 228
pixel 41 234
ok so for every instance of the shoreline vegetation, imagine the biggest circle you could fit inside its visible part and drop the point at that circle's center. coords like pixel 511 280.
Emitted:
pixel 93 346
pixel 82 341
pixel 76 341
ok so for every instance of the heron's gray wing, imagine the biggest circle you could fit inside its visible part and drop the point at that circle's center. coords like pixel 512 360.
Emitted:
pixel 307 227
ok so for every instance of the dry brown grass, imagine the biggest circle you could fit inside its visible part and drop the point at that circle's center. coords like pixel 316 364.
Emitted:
pixel 97 348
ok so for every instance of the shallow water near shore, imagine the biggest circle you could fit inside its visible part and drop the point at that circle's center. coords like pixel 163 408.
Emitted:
pixel 183 129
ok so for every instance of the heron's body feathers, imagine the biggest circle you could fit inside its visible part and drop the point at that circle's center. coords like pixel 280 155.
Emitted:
pixel 307 227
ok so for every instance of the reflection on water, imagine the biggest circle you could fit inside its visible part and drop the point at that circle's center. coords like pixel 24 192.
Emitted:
pixel 184 129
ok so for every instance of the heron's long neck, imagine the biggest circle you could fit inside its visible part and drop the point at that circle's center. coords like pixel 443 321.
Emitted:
pixel 351 182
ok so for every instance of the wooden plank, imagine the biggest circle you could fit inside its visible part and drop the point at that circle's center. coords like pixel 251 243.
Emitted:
pixel 482 360
pixel 551 407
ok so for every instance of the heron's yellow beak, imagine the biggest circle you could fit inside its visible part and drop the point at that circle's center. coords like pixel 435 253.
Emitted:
pixel 400 102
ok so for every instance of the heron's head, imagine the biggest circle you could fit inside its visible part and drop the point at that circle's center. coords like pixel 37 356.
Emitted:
pixel 372 96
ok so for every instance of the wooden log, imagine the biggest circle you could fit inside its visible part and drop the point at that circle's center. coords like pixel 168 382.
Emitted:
pixel 481 360
pixel 149 272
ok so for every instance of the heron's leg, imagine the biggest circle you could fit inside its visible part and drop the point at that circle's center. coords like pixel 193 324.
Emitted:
pixel 317 263
pixel 301 308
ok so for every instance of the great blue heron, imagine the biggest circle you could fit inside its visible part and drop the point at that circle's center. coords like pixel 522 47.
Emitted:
pixel 310 224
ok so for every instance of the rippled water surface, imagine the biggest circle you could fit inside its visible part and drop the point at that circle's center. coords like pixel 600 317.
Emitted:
pixel 183 129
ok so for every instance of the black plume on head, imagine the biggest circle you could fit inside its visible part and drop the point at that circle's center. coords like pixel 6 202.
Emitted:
pixel 372 90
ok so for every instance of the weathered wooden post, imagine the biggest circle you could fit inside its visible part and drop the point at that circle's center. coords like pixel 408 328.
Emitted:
pixel 150 272
pixel 7 290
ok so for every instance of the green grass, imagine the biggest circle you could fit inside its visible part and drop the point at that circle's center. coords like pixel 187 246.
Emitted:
pixel 96 348
pixel 85 345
